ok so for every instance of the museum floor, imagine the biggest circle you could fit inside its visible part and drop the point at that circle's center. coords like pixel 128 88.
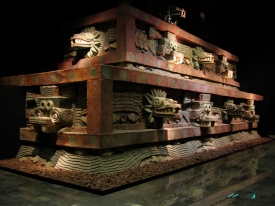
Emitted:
pixel 242 178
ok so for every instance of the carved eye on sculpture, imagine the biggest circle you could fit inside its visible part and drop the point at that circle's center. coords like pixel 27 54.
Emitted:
pixel 167 102
pixel 49 105
pixel 167 50
pixel 157 103
pixel 54 116
pixel 173 46
pixel 88 36
pixel 170 102
pixel 207 108
pixel 43 104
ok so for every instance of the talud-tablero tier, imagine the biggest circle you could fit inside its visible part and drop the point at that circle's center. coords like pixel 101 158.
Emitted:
pixel 131 79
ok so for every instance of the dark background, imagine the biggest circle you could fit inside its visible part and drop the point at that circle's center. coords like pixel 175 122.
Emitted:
pixel 31 43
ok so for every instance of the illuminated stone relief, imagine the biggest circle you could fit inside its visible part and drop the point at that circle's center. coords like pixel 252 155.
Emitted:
pixel 89 38
pixel 91 42
pixel 173 14
pixel 64 108
pixel 53 112
pixel 167 49
pixel 144 111
pixel 187 53
pixel 166 46
pixel 157 111
pixel 120 160
pixel 159 45
pixel 249 112
pixel 141 40
pixel 127 108
pixel 159 107
pixel 50 112
pixel 238 113
pixel 201 112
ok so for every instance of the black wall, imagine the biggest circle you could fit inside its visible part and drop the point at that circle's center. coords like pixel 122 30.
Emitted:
pixel 12 116
pixel 249 34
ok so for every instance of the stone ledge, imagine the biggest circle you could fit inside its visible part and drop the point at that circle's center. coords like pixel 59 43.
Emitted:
pixel 108 182
pixel 121 138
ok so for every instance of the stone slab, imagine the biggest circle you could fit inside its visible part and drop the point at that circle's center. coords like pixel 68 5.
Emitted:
pixel 120 138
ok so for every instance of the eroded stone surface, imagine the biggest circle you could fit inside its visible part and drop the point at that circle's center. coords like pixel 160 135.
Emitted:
pixel 105 182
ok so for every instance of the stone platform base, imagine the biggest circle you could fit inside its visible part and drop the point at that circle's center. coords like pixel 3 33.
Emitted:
pixel 104 173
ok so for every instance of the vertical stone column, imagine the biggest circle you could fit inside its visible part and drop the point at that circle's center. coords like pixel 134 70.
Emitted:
pixel 99 106
pixel 125 33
